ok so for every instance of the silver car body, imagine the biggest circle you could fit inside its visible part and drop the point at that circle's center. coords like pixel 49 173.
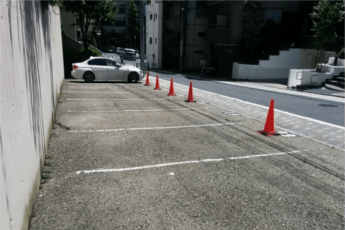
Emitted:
pixel 110 72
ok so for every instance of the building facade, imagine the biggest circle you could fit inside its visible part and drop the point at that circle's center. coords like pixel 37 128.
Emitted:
pixel 116 34
pixel 153 34
pixel 214 30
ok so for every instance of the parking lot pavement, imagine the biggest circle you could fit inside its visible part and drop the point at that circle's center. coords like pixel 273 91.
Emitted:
pixel 124 156
pixel 323 132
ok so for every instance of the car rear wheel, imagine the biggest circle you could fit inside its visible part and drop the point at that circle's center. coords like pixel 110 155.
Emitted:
pixel 89 77
pixel 133 77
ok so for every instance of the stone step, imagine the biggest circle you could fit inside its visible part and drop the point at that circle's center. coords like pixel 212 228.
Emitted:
pixel 334 87
pixel 335 82
pixel 339 78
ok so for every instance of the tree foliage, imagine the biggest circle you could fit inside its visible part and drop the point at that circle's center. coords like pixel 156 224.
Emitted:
pixel 91 16
pixel 133 27
pixel 252 20
pixel 326 17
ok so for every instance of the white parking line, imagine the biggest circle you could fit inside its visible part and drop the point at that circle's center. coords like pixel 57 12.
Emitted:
pixel 93 92
pixel 133 99
pixel 181 163
pixel 119 111
pixel 92 87
pixel 148 128
pixel 266 107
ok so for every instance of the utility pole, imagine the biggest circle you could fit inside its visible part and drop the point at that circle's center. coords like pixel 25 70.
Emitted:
pixel 183 34
pixel 142 36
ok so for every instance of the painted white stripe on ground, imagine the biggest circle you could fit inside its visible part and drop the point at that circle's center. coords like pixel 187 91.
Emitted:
pixel 145 110
pixel 148 128
pixel 93 92
pixel 181 163
pixel 133 99
pixel 91 87
pixel 266 107
pixel 341 128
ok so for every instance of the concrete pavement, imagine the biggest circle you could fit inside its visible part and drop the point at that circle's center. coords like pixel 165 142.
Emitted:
pixel 124 156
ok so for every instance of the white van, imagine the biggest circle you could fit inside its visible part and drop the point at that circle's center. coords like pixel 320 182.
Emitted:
pixel 120 51
pixel 130 51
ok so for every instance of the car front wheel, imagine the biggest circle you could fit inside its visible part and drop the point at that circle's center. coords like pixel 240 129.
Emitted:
pixel 89 77
pixel 133 77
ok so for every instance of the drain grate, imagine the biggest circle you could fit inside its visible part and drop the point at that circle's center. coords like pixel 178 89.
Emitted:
pixel 285 134
pixel 299 132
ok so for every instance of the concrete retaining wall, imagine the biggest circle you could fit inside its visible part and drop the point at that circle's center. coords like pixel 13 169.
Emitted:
pixel 32 73
pixel 278 66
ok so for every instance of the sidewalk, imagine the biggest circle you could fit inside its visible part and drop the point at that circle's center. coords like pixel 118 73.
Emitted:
pixel 269 85
pixel 125 156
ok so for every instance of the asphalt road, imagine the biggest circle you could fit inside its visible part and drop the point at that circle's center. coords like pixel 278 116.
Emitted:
pixel 124 156
pixel 323 110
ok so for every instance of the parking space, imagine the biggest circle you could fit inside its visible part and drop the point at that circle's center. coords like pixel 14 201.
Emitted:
pixel 157 162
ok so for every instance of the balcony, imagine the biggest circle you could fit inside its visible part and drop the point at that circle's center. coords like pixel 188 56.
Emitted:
pixel 218 35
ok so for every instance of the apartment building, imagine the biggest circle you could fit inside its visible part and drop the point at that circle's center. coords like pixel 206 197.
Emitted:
pixel 154 31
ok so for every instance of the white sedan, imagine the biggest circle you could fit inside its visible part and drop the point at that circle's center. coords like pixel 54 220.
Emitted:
pixel 105 69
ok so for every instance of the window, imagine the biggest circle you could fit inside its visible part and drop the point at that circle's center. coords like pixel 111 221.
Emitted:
pixel 150 40
pixel 150 16
pixel 100 62
pixel 92 62
pixel 273 14
pixel 110 62
pixel 156 40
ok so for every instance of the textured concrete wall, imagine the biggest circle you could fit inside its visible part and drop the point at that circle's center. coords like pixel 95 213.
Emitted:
pixel 31 78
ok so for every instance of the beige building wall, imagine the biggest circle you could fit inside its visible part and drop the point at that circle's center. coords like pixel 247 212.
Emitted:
pixel 154 31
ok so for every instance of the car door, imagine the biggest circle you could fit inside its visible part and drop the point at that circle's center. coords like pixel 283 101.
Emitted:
pixel 115 73
pixel 100 69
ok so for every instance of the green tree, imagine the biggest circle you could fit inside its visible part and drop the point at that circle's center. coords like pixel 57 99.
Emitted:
pixel 326 17
pixel 252 19
pixel 133 27
pixel 91 16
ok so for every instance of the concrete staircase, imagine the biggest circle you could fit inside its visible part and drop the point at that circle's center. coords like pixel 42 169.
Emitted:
pixel 336 83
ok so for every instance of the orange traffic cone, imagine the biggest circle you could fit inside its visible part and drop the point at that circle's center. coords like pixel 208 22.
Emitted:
pixel 190 94
pixel 147 83
pixel 171 91
pixel 157 83
pixel 269 125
